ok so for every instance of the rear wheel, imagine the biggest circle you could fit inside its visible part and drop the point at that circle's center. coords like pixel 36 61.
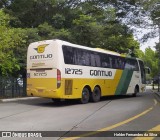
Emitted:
pixel 96 95
pixel 135 92
pixel 85 96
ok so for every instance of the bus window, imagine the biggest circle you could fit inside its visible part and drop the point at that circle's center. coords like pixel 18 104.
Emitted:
pixel 95 60
pixel 110 61
pixel 85 58
pixel 131 64
pixel 98 61
pixel 120 63
pixel 68 55
pixel 79 57
pixel 105 61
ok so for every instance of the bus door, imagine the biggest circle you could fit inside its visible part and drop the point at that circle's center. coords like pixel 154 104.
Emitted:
pixel 142 70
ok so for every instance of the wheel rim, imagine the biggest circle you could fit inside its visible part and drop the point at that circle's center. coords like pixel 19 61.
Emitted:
pixel 85 96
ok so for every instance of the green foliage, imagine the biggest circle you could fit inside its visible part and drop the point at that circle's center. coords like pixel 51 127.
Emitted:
pixel 9 39
pixel 86 31
pixel 119 38
pixel 92 23
pixel 150 59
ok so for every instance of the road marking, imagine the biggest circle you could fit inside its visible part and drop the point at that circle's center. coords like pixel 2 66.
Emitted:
pixel 155 102
pixel 112 126
pixel 157 128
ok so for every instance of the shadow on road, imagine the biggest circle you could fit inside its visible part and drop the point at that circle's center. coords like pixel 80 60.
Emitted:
pixel 44 102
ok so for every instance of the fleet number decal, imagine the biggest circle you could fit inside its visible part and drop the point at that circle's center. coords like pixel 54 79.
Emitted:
pixel 73 71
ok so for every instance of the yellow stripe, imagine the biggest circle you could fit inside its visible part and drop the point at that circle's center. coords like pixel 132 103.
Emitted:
pixel 112 126
pixel 157 128
pixel 155 102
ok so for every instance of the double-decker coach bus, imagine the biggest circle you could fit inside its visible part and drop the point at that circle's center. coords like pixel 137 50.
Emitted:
pixel 61 70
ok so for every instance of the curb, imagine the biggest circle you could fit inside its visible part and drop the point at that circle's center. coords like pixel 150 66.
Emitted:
pixel 158 94
pixel 17 99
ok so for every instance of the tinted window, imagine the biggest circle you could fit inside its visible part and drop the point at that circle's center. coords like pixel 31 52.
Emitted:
pixel 131 64
pixel 105 61
pixel 119 62
pixel 115 62
pixel 76 56
pixel 95 59
pixel 68 55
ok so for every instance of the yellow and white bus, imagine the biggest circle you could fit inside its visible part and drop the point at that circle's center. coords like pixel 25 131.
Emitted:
pixel 61 70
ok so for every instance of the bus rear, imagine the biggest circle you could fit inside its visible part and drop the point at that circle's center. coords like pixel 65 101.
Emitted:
pixel 43 73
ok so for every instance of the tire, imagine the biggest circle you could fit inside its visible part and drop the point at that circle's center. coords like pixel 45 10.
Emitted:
pixel 96 95
pixel 135 92
pixel 85 96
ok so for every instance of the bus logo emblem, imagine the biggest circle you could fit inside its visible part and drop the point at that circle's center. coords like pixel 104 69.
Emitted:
pixel 41 48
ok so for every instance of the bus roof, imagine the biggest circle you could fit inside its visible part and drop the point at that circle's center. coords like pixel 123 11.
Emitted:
pixel 61 42
pixel 89 48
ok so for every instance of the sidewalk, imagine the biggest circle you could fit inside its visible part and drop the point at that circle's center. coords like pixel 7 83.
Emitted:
pixel 156 91
pixel 17 99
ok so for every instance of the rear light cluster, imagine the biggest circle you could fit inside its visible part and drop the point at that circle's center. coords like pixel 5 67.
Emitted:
pixel 58 78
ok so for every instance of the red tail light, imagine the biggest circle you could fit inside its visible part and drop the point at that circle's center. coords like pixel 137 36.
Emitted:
pixel 58 78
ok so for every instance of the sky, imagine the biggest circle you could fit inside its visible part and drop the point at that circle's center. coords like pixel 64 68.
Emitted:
pixel 150 42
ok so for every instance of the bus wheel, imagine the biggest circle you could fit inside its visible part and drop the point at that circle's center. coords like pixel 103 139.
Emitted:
pixel 96 95
pixel 135 92
pixel 85 96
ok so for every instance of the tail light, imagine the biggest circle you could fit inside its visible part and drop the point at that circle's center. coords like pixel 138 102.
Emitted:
pixel 58 78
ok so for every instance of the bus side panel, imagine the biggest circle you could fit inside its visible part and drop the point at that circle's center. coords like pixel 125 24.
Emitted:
pixel 128 82
pixel 111 85
pixel 73 86
pixel 135 80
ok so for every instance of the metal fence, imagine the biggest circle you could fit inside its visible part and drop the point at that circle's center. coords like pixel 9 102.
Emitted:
pixel 11 87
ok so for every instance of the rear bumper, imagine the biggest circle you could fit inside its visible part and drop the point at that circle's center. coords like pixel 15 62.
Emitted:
pixel 43 93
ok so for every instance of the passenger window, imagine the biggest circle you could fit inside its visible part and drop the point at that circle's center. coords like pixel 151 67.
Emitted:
pixel 98 61
pixel 131 64
pixel 68 55
pixel 105 61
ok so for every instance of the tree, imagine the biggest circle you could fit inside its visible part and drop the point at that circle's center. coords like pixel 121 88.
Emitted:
pixel 150 59
pixel 9 39
pixel 86 31
pixel 92 23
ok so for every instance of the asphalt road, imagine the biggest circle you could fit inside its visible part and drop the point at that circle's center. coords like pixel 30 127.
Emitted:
pixel 117 114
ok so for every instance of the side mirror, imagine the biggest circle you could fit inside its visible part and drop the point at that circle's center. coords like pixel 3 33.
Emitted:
pixel 147 70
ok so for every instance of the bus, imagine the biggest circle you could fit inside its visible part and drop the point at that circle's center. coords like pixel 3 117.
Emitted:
pixel 59 70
